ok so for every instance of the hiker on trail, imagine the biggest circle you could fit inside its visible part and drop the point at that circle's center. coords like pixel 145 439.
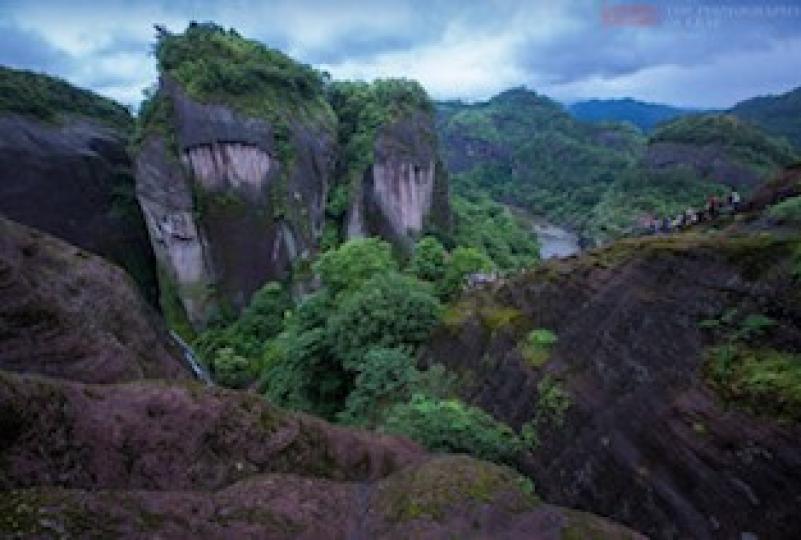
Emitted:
pixel 712 207
pixel 734 198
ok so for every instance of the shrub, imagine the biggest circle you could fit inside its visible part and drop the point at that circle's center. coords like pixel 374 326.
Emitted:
pixel 553 401
pixel 50 99
pixel 789 211
pixel 452 426
pixel 246 337
pixel 230 369
pixel 538 345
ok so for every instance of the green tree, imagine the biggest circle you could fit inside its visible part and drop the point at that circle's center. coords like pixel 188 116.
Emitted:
pixel 230 369
pixel 463 262
pixel 355 262
pixel 389 311
pixel 246 337
pixel 428 261
pixel 385 377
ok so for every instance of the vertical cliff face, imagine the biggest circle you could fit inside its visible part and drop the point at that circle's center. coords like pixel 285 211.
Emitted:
pixel 226 214
pixel 64 169
pixel 405 188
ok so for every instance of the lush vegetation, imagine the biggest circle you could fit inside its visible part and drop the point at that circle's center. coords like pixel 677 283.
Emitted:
pixel 524 149
pixel 777 115
pixel 742 141
pixel 316 361
pixel 233 351
pixel 214 65
pixel 491 228
pixel 51 99
pixel 448 425
pixel 747 371
pixel 348 352
pixel 217 65
pixel 787 211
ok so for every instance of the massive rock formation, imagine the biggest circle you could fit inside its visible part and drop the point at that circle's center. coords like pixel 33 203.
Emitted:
pixel 144 460
pixel 645 437
pixel 225 214
pixel 67 313
pixel 406 185
pixel 70 175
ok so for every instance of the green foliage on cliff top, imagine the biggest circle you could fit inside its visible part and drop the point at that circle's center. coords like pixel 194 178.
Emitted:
pixel 50 99
pixel 214 65
pixel 362 108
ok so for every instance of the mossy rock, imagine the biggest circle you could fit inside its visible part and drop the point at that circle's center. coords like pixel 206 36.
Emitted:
pixel 428 491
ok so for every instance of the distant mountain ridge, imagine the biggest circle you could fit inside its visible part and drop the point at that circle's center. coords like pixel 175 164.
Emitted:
pixel 779 115
pixel 644 115
pixel 525 149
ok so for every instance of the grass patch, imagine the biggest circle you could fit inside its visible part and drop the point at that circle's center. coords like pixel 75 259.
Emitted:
pixel 495 317
pixel 762 380
pixel 537 347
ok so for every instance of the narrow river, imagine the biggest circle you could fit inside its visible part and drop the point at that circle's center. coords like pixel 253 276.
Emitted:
pixel 554 240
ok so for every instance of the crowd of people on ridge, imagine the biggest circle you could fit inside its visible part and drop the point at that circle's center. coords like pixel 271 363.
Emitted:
pixel 715 206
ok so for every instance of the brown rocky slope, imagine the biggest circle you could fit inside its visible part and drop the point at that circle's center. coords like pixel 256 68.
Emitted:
pixel 67 313
pixel 659 429
pixel 175 459
pixel 146 459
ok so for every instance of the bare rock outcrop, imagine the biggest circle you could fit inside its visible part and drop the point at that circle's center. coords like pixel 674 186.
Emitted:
pixel 70 314
pixel 406 187
pixel 627 405
pixel 225 211
pixel 144 460
pixel 73 179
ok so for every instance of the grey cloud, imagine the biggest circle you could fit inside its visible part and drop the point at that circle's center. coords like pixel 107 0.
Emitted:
pixel 27 50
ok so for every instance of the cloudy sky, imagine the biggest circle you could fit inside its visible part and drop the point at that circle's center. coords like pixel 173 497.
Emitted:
pixel 684 52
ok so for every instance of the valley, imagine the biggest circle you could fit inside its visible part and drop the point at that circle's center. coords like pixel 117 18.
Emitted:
pixel 278 304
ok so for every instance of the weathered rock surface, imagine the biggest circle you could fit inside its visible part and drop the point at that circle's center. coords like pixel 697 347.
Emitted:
pixel 709 161
pixel 141 460
pixel 67 313
pixel 405 187
pixel 645 441
pixel 226 215
pixel 74 180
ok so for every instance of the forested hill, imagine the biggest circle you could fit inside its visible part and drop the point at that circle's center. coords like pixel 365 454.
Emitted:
pixel 522 148
pixel 778 115
pixel 644 115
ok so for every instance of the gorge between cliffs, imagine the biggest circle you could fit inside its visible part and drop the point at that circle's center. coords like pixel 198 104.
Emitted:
pixel 276 304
